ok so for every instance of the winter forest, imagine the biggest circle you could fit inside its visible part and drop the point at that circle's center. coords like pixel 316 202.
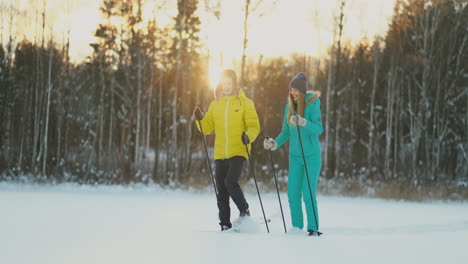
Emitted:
pixel 394 106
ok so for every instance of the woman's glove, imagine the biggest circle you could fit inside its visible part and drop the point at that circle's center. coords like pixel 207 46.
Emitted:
pixel 269 143
pixel 297 120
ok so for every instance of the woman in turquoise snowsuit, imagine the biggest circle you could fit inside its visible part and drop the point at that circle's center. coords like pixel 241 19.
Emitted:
pixel 303 110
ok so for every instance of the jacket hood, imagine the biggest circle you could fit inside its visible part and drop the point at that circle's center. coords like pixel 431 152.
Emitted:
pixel 311 96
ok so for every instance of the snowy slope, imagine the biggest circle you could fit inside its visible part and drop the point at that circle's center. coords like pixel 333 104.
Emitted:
pixel 76 224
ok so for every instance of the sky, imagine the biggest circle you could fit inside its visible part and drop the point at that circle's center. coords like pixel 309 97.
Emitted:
pixel 285 27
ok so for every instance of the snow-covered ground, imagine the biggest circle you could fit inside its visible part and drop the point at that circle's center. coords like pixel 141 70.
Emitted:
pixel 82 224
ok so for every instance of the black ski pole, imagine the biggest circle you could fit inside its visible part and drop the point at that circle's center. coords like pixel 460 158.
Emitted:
pixel 307 173
pixel 277 190
pixel 208 159
pixel 256 186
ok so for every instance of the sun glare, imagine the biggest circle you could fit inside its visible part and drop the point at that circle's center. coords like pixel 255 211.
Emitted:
pixel 214 74
pixel 305 30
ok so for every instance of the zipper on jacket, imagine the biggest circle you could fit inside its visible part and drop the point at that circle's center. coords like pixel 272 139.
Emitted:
pixel 226 126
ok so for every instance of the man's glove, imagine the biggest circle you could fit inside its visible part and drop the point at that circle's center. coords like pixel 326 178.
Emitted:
pixel 297 120
pixel 269 143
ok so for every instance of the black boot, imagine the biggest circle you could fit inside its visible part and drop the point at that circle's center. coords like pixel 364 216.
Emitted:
pixel 314 233
pixel 244 213
pixel 225 227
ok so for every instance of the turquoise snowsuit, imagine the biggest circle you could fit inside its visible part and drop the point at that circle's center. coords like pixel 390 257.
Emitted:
pixel 297 182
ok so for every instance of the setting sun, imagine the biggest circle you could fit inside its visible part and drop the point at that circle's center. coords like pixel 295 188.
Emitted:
pixel 214 74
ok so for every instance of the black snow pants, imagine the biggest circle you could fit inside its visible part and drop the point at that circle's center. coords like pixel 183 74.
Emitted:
pixel 228 172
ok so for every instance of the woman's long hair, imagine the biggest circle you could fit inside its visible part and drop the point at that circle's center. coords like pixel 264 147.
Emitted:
pixel 301 103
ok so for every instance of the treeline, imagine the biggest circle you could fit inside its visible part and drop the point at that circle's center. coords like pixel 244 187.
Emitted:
pixel 395 109
pixel 121 116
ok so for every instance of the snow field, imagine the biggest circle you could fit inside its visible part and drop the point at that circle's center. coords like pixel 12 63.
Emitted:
pixel 80 224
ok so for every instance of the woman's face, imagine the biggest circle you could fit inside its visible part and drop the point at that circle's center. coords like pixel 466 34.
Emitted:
pixel 295 93
pixel 226 85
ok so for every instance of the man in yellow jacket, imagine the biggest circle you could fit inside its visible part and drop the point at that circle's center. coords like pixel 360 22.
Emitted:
pixel 233 118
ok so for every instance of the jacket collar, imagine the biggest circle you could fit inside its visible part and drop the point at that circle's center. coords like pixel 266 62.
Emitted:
pixel 239 93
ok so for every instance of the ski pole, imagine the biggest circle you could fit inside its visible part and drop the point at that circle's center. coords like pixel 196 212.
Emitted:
pixel 277 190
pixel 208 159
pixel 307 173
pixel 256 186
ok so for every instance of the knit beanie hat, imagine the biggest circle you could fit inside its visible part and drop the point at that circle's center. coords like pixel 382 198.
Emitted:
pixel 299 82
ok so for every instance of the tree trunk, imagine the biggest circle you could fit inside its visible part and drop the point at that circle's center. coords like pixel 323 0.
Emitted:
pixel 336 147
pixel 101 108
pixel 46 132
pixel 244 43
pixel 370 152
pixel 328 114
pixel 111 120
pixel 159 143
pixel 391 86
pixel 138 108
pixel 148 111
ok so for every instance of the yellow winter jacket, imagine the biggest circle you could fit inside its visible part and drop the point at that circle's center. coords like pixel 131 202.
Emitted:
pixel 229 116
